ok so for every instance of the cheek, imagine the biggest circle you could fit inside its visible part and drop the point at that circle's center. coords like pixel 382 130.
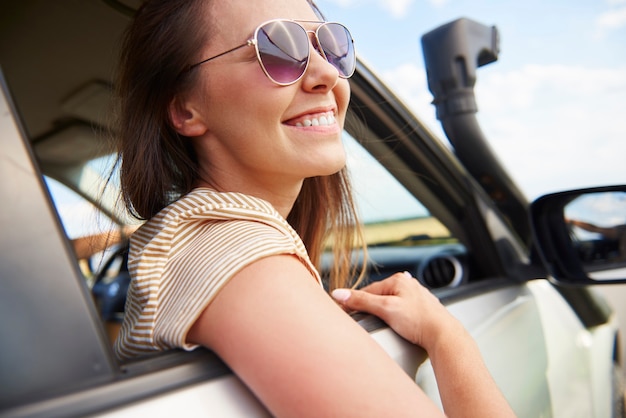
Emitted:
pixel 342 96
pixel 245 121
pixel 231 107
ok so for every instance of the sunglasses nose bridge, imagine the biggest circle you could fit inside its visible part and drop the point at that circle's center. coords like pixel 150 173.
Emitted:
pixel 315 42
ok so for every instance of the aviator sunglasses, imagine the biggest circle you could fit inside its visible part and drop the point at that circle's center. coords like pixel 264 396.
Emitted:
pixel 283 49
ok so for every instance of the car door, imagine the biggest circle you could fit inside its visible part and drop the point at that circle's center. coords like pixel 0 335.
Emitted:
pixel 512 327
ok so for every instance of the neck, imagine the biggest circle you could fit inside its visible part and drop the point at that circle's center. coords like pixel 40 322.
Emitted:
pixel 281 198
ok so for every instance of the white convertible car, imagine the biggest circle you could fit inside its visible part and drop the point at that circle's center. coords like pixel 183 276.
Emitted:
pixel 515 273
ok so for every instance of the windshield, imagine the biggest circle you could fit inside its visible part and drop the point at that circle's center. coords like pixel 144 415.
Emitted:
pixel 391 214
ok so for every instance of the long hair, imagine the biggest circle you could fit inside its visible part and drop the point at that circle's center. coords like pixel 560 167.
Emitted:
pixel 323 213
pixel 158 165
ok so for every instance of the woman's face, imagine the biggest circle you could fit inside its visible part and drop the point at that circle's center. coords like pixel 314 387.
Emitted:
pixel 246 132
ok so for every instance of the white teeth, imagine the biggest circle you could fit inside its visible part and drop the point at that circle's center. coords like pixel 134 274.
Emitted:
pixel 323 120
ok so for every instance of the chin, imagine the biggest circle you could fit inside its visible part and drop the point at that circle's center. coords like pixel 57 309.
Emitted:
pixel 325 170
pixel 326 163
pixel 337 162
pixel 332 169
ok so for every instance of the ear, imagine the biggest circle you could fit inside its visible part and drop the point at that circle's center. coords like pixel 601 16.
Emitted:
pixel 185 119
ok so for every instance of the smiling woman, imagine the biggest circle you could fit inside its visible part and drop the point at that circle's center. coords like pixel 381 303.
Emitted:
pixel 268 157
pixel 240 213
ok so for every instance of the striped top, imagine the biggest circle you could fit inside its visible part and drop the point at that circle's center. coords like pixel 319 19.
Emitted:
pixel 180 259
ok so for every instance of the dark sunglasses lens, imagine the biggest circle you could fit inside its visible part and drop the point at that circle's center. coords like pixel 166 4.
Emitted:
pixel 336 41
pixel 284 50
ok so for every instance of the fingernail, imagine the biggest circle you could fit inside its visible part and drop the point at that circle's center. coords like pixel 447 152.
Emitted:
pixel 341 295
pixel 407 274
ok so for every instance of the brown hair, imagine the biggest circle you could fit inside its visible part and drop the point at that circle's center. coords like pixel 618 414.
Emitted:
pixel 324 212
pixel 158 165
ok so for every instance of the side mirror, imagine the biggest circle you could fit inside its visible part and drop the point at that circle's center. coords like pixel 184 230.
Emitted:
pixel 581 235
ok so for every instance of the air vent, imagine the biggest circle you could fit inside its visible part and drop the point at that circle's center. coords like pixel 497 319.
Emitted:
pixel 441 271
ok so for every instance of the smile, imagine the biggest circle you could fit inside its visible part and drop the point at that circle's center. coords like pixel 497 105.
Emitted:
pixel 322 119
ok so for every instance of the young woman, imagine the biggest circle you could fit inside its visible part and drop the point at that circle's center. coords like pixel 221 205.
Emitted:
pixel 230 124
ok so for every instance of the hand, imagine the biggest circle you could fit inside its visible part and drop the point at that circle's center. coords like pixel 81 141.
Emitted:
pixel 405 305
pixel 465 385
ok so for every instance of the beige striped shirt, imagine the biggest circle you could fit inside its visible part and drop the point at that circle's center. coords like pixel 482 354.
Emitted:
pixel 181 258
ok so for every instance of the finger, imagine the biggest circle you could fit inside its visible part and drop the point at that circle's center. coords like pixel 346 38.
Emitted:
pixel 362 301
pixel 388 286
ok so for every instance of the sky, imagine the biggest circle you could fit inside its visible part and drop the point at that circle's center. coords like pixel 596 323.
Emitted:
pixel 552 106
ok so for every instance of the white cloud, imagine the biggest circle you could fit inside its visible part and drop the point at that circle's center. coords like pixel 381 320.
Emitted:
pixel 544 122
pixel 612 19
pixel 441 3
pixel 398 8
pixel 602 209
pixel 409 82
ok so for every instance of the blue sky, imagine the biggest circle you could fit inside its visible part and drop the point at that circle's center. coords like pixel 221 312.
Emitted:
pixel 552 105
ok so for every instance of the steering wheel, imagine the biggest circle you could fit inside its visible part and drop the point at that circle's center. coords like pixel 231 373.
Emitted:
pixel 109 290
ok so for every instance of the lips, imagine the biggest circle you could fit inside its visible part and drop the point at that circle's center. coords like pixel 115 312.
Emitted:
pixel 317 119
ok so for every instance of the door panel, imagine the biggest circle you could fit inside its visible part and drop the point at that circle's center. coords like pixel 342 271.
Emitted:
pixel 507 329
pixel 569 349
pixel 527 335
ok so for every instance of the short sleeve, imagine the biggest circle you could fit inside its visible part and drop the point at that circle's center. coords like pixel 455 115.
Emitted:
pixel 182 258
pixel 198 271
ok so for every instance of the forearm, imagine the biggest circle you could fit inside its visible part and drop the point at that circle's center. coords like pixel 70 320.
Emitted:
pixel 85 247
pixel 465 384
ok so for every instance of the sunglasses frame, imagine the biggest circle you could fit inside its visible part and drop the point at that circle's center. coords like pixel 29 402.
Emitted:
pixel 254 42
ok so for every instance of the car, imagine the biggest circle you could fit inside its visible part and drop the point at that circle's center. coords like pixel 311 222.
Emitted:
pixel 517 274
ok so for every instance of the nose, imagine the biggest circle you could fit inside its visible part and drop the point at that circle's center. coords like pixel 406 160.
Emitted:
pixel 320 74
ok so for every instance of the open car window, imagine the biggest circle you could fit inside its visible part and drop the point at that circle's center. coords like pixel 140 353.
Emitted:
pixel 391 215
pixel 79 217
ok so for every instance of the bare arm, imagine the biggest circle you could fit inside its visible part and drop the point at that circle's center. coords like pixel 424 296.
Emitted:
pixel 85 247
pixel 465 385
pixel 609 233
pixel 299 352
